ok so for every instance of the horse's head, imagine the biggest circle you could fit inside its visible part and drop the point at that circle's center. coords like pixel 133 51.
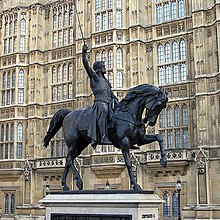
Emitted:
pixel 154 104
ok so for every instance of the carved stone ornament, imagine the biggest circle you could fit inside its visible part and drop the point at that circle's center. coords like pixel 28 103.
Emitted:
pixel 200 166
pixel 27 168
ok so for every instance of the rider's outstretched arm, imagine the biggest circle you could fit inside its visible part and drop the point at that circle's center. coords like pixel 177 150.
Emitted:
pixel 89 70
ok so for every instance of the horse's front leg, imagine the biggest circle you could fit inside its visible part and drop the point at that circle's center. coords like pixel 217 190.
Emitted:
pixel 125 151
pixel 65 172
pixel 147 139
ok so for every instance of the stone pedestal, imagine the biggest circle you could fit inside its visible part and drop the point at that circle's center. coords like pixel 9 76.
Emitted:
pixel 101 205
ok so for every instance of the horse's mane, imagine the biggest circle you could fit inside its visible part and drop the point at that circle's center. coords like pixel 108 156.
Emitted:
pixel 141 91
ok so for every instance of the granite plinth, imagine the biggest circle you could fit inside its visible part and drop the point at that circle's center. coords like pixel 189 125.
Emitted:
pixel 111 205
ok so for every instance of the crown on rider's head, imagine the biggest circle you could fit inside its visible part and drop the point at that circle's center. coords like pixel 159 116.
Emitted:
pixel 96 65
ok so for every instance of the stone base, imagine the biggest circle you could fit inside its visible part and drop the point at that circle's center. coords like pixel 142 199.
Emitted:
pixel 109 204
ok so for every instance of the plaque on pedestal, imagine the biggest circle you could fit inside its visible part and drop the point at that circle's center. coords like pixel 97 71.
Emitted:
pixel 102 205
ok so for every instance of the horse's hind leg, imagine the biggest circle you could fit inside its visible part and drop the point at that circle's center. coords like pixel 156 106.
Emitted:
pixel 70 158
pixel 65 172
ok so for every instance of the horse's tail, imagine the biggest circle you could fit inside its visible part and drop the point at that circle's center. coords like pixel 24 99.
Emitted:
pixel 55 125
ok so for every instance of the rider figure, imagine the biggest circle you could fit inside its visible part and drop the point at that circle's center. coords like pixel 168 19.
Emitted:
pixel 104 97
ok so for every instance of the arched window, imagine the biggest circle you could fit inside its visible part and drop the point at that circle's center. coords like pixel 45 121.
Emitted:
pixel 60 20
pixel 104 56
pixel 7 133
pixel 54 77
pixel 169 117
pixel 8 80
pixel 13 79
pixel 6 204
pixel 70 91
pixel 10 28
pixel 19 132
pixel 181 8
pixel 182 50
pixel 12 142
pixel 19 140
pixel 110 19
pixel 110 59
pixel 71 17
pixel 119 19
pixel 111 78
pixel 15 26
pixel 12 204
pixel 97 56
pixel 65 37
pixel 167 52
pixel 119 63
pixel 177 116
pixel 65 19
pixel 160 54
pixel 23 27
pixel 59 74
pixel 4 80
pixel 6 29
pixel 175 55
pixel 64 73
pixel 55 21
pixel 21 79
pixel 70 72
pixel 119 79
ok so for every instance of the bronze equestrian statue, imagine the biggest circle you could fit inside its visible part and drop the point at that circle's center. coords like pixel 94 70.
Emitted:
pixel 104 101
pixel 127 131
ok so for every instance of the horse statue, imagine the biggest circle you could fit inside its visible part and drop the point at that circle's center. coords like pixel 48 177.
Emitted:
pixel 128 128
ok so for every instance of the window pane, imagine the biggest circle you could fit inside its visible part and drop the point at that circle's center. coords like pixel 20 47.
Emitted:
pixel 119 19
pixel 97 5
pixel 183 72
pixel 185 138
pixel 169 117
pixel 159 13
pixel 185 115
pixel 110 19
pixel 166 204
pixel 12 204
pixel 119 58
pixel 23 26
pixel 110 59
pixel 181 8
pixel 177 116
pixel 161 75
pixel 175 73
pixel 160 54
pixel 175 51
pixel 168 74
pixel 166 12
pixel 182 50
pixel 170 140
pixel 173 10
pixel 97 22
pixel 162 119
pixel 175 210
pixel 104 20
pixel 167 53
pixel 119 79
pixel 6 204
pixel 177 138
pixel 19 150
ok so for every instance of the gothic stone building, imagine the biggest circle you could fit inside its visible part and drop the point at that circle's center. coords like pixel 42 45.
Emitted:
pixel 169 43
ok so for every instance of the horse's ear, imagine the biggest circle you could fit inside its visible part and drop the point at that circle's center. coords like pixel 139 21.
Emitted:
pixel 166 92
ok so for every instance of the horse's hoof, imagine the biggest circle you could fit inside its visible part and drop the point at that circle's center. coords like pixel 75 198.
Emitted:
pixel 163 162
pixel 137 187
pixel 79 184
pixel 65 188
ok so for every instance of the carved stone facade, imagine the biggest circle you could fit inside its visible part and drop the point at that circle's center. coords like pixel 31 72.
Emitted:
pixel 41 71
